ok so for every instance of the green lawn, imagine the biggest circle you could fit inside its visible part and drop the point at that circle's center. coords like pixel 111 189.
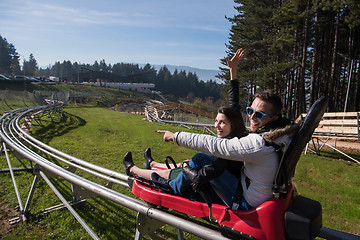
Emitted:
pixel 335 184
pixel 101 136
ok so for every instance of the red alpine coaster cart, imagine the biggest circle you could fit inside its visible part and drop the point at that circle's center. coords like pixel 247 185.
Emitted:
pixel 285 216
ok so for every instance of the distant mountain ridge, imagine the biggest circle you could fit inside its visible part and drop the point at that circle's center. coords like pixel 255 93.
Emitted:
pixel 203 74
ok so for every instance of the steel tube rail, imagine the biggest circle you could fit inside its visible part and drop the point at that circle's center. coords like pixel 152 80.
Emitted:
pixel 38 144
pixel 206 126
pixel 70 163
pixel 9 133
pixel 31 194
pixel 34 142
pixel 14 181
pixel 68 206
pixel 12 135
pixel 332 234
pixel 180 122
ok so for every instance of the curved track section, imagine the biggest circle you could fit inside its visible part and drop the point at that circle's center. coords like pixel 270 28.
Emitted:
pixel 152 114
pixel 46 162
pixel 14 139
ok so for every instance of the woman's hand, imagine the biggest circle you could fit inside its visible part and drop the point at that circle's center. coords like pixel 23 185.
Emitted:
pixel 233 63
pixel 168 136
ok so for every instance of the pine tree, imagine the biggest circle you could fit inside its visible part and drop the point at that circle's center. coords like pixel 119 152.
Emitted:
pixel 303 49
pixel 5 57
pixel 30 67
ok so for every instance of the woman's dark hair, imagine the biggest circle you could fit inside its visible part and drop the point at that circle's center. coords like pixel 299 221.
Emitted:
pixel 236 120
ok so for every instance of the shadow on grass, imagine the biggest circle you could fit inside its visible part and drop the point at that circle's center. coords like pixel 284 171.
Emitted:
pixel 113 221
pixel 107 219
pixel 56 129
pixel 329 153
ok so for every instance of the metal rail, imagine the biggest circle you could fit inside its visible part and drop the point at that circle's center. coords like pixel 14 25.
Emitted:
pixel 13 137
pixel 21 143
pixel 206 127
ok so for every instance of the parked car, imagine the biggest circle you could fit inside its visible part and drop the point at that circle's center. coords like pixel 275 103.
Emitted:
pixel 33 79
pixel 48 80
pixel 27 78
pixel 20 77
pixel 3 77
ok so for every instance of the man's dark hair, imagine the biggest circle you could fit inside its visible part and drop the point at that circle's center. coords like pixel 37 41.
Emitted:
pixel 236 120
pixel 270 97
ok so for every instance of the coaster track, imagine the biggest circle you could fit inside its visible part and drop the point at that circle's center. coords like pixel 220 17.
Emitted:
pixel 40 156
pixel 24 146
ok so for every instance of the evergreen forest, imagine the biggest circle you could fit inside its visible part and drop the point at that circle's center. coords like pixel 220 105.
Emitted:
pixel 303 49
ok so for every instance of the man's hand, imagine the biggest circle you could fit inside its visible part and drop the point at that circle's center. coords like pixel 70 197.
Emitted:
pixel 168 136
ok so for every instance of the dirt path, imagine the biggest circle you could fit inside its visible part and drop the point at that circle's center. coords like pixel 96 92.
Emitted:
pixel 6 213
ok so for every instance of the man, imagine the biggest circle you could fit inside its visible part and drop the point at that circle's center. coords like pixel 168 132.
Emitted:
pixel 256 150
pixel 257 175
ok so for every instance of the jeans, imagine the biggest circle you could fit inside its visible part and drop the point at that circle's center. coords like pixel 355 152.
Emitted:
pixel 224 185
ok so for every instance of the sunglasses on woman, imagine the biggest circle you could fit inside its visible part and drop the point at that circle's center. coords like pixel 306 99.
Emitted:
pixel 258 114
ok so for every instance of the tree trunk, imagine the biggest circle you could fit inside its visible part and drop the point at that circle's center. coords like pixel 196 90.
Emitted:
pixel 333 62
pixel 305 33
pixel 357 91
pixel 314 62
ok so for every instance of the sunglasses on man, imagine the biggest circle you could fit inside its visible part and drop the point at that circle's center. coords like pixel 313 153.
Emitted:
pixel 258 114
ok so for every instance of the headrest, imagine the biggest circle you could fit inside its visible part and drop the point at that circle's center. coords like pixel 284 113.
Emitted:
pixel 301 138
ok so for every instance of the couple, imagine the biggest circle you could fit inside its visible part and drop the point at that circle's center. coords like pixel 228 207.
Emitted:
pixel 231 159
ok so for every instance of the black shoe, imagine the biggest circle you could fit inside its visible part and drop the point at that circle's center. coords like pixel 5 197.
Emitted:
pixel 148 158
pixel 156 177
pixel 162 183
pixel 128 163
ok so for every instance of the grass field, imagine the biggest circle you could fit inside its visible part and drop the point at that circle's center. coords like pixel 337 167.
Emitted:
pixel 102 136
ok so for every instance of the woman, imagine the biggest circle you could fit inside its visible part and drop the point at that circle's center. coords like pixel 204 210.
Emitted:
pixel 228 124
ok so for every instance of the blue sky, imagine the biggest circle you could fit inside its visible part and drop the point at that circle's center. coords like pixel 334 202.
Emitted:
pixel 175 32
